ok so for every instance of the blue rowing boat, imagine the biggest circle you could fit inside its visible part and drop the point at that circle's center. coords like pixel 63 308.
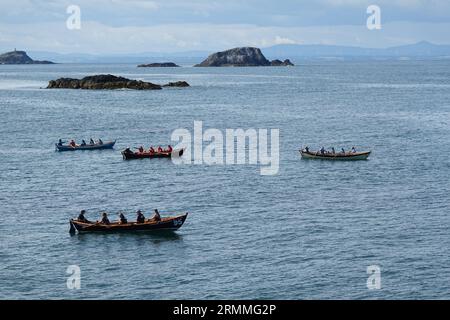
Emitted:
pixel 95 146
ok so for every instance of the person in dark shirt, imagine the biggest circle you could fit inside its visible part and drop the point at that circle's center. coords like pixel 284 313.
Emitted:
pixel 140 217
pixel 83 143
pixel 105 219
pixel 81 216
pixel 122 218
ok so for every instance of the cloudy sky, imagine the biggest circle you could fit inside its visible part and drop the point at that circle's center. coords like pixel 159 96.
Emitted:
pixel 124 26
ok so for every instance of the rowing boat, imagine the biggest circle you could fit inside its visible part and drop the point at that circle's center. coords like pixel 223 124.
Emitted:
pixel 129 155
pixel 168 223
pixel 335 156
pixel 96 146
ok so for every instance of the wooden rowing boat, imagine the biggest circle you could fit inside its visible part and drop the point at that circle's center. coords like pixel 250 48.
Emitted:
pixel 96 146
pixel 168 223
pixel 129 155
pixel 335 156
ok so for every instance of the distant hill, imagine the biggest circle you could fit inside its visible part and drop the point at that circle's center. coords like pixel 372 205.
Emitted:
pixel 19 57
pixel 418 50
pixel 421 49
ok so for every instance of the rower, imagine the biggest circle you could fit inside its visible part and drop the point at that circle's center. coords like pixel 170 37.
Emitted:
pixel 83 143
pixel 72 143
pixel 353 150
pixel 122 218
pixel 169 148
pixel 343 151
pixel 322 150
pixel 81 217
pixel 105 219
pixel 100 141
pixel 307 149
pixel 60 143
pixel 156 216
pixel 160 149
pixel 332 150
pixel 140 217
pixel 151 150
pixel 141 149
pixel 91 141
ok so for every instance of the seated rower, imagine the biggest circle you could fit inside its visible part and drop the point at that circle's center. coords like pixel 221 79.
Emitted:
pixel 81 217
pixel 141 149
pixel 100 142
pixel 83 143
pixel 160 149
pixel 72 143
pixel 140 217
pixel 332 150
pixel 156 216
pixel 353 150
pixel 105 219
pixel 151 150
pixel 169 148
pixel 91 141
pixel 322 150
pixel 60 143
pixel 343 151
pixel 307 149
pixel 122 218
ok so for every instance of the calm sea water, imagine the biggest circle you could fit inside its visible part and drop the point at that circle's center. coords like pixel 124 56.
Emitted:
pixel 309 232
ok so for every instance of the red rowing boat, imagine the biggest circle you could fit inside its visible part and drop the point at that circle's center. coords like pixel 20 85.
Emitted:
pixel 129 155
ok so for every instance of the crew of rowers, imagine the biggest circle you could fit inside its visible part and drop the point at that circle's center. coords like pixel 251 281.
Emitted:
pixel 72 142
pixel 333 151
pixel 152 150
pixel 140 218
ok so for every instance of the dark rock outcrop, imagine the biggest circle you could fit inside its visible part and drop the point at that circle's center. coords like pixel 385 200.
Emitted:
pixel 158 65
pixel 103 81
pixel 279 63
pixel 180 84
pixel 237 57
pixel 108 81
pixel 19 57
pixel 240 57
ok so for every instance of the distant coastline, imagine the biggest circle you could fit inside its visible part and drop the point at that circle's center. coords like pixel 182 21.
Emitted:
pixel 295 52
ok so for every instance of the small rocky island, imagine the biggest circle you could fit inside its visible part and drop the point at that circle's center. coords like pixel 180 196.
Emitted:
pixel 19 57
pixel 241 57
pixel 158 65
pixel 109 81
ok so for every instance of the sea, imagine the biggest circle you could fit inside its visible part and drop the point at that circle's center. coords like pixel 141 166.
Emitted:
pixel 374 229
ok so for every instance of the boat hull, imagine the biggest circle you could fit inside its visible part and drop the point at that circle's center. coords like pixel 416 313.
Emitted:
pixel 148 155
pixel 336 156
pixel 169 223
pixel 105 145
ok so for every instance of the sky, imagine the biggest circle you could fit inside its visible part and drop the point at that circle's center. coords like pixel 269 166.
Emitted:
pixel 133 26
